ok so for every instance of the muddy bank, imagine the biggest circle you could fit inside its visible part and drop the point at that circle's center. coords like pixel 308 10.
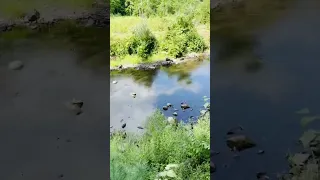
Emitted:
pixel 98 16
pixel 166 62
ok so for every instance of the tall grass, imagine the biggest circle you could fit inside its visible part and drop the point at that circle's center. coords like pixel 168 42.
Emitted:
pixel 146 155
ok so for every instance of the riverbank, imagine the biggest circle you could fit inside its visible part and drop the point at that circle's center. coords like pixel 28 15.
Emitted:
pixel 163 63
pixel 97 14
pixel 159 38
pixel 166 149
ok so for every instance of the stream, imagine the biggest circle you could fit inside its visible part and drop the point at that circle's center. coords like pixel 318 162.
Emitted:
pixel 263 98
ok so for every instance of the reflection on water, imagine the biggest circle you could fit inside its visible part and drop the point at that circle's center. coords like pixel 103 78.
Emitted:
pixel 182 83
pixel 285 41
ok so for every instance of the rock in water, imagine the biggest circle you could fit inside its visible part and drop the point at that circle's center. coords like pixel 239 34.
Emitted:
pixel 169 104
pixel 184 106
pixel 33 16
pixel 114 82
pixel 124 125
pixel 78 103
pixel 15 65
pixel 240 142
pixel 175 114
pixel 165 108
pixel 75 106
pixel 134 95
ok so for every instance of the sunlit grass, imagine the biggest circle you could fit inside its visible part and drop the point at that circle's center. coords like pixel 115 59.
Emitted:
pixel 121 27
pixel 144 156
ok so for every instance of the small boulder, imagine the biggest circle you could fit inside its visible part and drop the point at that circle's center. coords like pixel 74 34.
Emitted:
pixel 240 142
pixel 175 114
pixel 114 82
pixel 169 104
pixel 134 95
pixel 124 125
pixel 15 65
pixel 165 108
pixel 184 106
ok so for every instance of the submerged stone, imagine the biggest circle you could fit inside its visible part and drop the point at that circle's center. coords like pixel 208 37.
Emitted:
pixel 15 65
pixel 240 142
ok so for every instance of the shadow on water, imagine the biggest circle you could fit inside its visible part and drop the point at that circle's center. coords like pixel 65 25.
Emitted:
pixel 279 39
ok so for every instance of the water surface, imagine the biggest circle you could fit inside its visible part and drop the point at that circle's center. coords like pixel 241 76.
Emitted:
pixel 187 83
pixel 264 99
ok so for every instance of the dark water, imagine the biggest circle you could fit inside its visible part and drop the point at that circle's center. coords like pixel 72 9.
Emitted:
pixel 264 99
pixel 57 69
pixel 184 83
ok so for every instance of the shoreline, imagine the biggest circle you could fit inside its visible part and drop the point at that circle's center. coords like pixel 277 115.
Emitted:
pixel 97 16
pixel 164 63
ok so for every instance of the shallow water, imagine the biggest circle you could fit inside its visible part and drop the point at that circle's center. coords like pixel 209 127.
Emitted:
pixel 264 101
pixel 185 83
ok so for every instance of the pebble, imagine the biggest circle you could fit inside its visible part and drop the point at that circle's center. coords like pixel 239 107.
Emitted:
pixel 15 65
pixel 124 125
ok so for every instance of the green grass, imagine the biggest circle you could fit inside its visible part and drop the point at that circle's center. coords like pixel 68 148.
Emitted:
pixel 122 27
pixel 144 156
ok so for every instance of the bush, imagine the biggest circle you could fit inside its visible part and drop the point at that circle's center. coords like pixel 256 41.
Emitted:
pixel 163 144
pixel 142 42
pixel 182 37
pixel 118 7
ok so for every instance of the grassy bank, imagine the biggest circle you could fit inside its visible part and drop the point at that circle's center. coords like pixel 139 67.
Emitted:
pixel 164 151
pixel 139 35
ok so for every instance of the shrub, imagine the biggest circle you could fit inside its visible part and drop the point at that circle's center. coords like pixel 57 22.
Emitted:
pixel 182 37
pixel 142 42
pixel 160 145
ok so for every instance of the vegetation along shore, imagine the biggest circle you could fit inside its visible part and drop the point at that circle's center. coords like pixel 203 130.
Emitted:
pixel 157 31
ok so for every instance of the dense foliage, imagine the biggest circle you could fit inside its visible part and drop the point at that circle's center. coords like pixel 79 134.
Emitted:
pixel 147 156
